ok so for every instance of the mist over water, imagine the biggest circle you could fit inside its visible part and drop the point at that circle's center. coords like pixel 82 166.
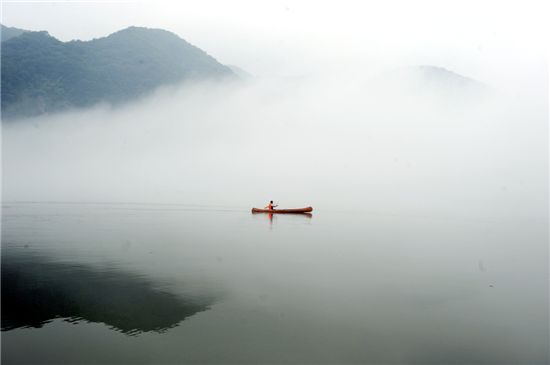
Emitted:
pixel 398 144
pixel 428 242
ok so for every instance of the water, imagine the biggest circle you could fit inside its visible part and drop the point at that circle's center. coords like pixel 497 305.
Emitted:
pixel 152 283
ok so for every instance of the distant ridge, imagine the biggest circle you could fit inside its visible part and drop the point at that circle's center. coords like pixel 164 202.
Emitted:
pixel 428 75
pixel 9 32
pixel 240 72
pixel 41 74
pixel 437 74
pixel 434 83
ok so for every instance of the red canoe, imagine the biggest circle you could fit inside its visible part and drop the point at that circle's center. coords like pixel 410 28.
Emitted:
pixel 283 211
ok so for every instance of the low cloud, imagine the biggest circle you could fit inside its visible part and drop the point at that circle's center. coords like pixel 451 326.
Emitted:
pixel 380 144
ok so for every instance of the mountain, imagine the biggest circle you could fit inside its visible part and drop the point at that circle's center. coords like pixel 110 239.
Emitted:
pixel 41 74
pixel 429 79
pixel 240 72
pixel 439 76
pixel 8 32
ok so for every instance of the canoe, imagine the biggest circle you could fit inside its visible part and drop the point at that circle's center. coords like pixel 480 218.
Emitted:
pixel 283 211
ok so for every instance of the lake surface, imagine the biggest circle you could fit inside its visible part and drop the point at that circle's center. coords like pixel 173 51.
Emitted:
pixel 152 283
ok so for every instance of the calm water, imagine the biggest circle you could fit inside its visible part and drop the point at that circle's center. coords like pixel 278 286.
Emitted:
pixel 131 283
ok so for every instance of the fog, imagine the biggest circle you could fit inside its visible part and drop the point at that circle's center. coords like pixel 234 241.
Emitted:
pixel 391 143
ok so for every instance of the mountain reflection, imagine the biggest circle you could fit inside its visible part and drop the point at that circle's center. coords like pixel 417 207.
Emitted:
pixel 36 290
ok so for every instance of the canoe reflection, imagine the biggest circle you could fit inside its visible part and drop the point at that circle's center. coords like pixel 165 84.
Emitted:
pixel 270 215
pixel 36 290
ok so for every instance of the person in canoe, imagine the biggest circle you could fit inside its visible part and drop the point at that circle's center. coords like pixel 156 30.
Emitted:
pixel 270 206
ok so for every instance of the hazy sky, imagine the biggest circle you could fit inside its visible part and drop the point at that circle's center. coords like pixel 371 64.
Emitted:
pixel 175 146
pixel 495 41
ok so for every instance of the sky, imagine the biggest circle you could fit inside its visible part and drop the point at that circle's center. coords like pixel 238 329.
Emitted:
pixel 497 42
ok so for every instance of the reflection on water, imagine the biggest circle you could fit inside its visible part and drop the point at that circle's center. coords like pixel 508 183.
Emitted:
pixel 36 290
pixel 344 287
pixel 270 216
